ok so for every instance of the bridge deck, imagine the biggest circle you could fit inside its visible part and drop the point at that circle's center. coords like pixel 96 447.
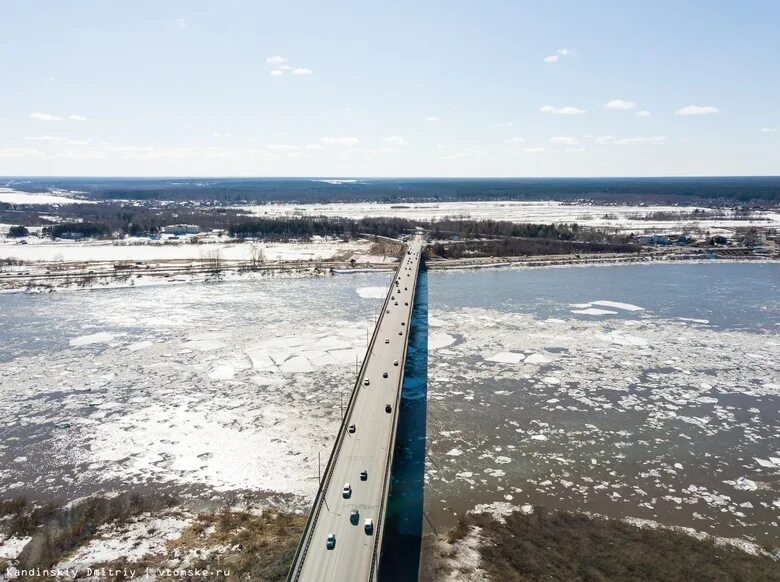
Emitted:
pixel 370 448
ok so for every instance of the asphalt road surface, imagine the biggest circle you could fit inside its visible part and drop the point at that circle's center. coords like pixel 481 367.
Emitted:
pixel 369 448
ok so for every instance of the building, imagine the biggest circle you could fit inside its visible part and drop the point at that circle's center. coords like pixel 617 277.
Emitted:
pixel 179 229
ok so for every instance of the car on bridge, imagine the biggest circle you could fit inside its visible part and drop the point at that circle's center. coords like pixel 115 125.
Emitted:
pixel 354 517
pixel 331 541
pixel 387 340
pixel 369 526
pixel 395 362
pixel 384 374
pixel 352 428
pixel 366 382
pixel 364 475
pixel 388 408
pixel 346 492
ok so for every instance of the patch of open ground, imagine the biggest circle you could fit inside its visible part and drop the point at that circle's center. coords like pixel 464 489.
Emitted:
pixel 555 545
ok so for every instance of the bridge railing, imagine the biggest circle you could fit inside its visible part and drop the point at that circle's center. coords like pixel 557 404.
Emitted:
pixel 376 554
pixel 311 522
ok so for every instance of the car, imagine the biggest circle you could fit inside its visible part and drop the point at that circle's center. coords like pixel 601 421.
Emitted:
pixel 346 492
pixel 406 288
pixel 392 297
pixel 388 311
pixel 366 382
pixel 330 543
pixel 352 428
pixel 403 323
pixel 387 340
pixel 369 527
pixel 364 475
pixel 395 362
pixel 396 302
pixel 384 374
pixel 400 333
pixel 354 517
pixel 406 303
pixel 388 408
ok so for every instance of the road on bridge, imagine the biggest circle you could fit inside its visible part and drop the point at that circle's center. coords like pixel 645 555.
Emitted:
pixel 372 414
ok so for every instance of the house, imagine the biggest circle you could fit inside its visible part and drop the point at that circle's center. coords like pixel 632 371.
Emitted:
pixel 179 229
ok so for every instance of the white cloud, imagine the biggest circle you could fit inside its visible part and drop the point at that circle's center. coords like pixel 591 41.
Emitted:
pixel 44 116
pixel 643 113
pixel 276 73
pixel 340 141
pixel 503 124
pixel 51 79
pixel 567 110
pixel 181 24
pixel 697 110
pixel 225 134
pixel 552 59
pixel 768 130
pixel 611 140
pixel 620 104
pixel 275 60
pixel 534 150
pixel 456 156
pixel 20 153
pixel 75 117
pixel 564 140
pixel 302 71
pixel 59 140
pixel 432 119
pixel 313 146
pixel 395 140
pixel 515 140
pixel 566 52
pixel 280 147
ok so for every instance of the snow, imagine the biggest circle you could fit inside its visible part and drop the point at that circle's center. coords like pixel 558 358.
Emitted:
pixel 148 250
pixel 11 547
pixel 129 542
pixel 621 217
pixel 11 196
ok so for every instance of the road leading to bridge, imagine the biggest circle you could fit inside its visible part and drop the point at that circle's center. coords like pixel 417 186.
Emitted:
pixel 372 413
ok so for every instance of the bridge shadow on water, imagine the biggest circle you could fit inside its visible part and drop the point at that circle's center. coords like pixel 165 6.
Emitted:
pixel 403 520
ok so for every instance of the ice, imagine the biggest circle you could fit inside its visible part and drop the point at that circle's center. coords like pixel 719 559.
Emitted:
pixel 454 453
pixel 593 311
pixel 506 358
pixel 372 292
pixel 95 338
pixel 222 372
pixel 746 484
pixel 437 340
pixel 618 305
pixel 537 359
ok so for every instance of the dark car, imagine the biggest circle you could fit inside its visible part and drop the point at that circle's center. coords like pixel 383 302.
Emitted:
pixel 388 408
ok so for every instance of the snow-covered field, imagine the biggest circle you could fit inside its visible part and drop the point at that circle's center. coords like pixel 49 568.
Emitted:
pixel 146 250
pixel 623 218
pixel 11 196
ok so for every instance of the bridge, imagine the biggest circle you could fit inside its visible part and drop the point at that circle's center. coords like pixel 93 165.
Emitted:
pixel 337 544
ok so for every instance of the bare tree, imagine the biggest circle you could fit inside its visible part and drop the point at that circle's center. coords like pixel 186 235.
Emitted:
pixel 215 262
pixel 256 256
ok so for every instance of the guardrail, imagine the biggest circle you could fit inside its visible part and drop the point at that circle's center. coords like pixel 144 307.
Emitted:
pixel 376 554
pixel 311 522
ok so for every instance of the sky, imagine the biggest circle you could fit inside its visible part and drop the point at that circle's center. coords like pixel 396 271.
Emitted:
pixel 405 88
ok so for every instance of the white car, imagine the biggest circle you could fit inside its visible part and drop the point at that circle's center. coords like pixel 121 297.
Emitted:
pixel 346 493
pixel 369 526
